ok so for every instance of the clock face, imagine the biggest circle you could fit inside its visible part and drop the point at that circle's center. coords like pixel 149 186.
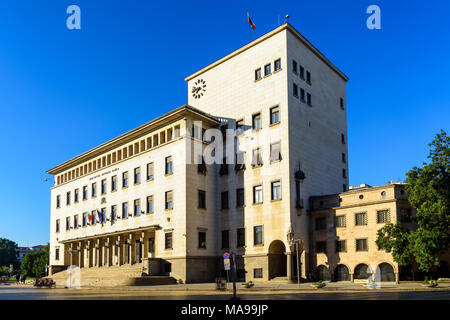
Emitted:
pixel 199 88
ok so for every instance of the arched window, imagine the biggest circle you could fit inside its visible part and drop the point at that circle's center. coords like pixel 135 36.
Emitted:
pixel 323 273
pixel 341 273
pixel 361 271
pixel 387 272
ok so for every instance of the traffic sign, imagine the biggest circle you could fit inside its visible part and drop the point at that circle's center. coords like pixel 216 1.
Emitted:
pixel 227 264
pixel 226 255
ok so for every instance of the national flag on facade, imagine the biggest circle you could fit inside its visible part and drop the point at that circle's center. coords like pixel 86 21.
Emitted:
pixel 90 217
pixel 250 22
pixel 100 216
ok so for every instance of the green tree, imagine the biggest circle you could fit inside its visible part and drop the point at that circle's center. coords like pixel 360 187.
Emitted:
pixel 428 191
pixel 8 253
pixel 33 264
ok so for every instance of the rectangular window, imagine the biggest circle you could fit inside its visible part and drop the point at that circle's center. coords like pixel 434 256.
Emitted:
pixel 169 200
pixel 225 239
pixel 344 173
pixel 58 201
pixel 125 179
pixel 302 72
pixel 240 237
pixel 302 94
pixel 85 219
pixel 295 90
pixel 68 198
pixel 240 197
pixel 240 161
pixel 75 195
pixel 124 210
pixel 256 121
pixel 169 169
pixel 103 217
pixel 294 66
pixel 93 215
pixel 85 192
pixel 361 219
pixel 257 74
pixel 257 158
pixel 341 102
pixel 308 77
pixel 321 223
pixel 383 216
pixel 275 154
pixel 57 254
pixel 267 70
pixel 67 223
pixel 150 171
pixel 274 115
pixel 277 65
pixel 258 235
pixel 113 213
pixel 137 175
pixel 202 240
pixel 168 240
pixel 308 98
pixel 257 194
pixel 276 190
pixel 257 273
pixel 104 186
pixel 150 204
pixel 224 200
pixel 94 189
pixel 342 138
pixel 321 247
pixel 57 225
pixel 201 199
pixel 344 160
pixel 75 221
pixel 341 221
pixel 405 215
pixel 341 246
pixel 137 207
pixel 361 244
pixel 114 183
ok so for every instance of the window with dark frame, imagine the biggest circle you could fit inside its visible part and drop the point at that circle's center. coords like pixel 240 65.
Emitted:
pixel 225 239
pixel 341 246
pixel 341 221
pixel 150 204
pixel 295 90
pixel 321 246
pixel 169 165
pixel 94 190
pixel 257 194
pixel 202 240
pixel 361 245
pixel 137 175
pixel 201 199
pixel 361 219
pixel 274 115
pixel 258 235
pixel 85 193
pixel 276 190
pixel 103 186
pixel 114 183
pixel 277 65
pixel 257 74
pixel 150 171
pixel 168 240
pixel 224 200
pixel 321 223
pixel 383 216
pixel 240 237
pixel 240 197
pixel 169 200
pixel 294 66
pixel 267 69
pixel 256 121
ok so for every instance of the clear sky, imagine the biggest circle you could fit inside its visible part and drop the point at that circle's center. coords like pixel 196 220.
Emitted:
pixel 64 91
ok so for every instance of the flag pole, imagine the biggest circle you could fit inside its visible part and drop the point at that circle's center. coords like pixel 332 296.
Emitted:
pixel 249 28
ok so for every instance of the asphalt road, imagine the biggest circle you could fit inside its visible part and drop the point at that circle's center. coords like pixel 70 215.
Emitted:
pixel 14 293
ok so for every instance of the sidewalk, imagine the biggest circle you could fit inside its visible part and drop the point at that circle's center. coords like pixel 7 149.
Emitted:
pixel 291 287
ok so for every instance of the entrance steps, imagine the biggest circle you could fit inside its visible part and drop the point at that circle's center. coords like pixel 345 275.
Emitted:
pixel 280 280
pixel 125 275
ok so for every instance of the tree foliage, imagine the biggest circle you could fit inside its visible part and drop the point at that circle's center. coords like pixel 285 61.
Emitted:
pixel 33 264
pixel 428 191
pixel 8 253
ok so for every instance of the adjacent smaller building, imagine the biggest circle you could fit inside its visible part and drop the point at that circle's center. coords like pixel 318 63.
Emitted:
pixel 345 229
pixel 23 251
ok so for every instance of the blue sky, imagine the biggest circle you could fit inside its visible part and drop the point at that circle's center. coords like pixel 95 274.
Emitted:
pixel 64 91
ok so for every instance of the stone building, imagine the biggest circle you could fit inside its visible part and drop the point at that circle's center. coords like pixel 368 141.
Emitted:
pixel 142 200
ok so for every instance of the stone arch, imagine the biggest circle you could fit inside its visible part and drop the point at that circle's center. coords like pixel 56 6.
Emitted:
pixel 342 273
pixel 361 272
pixel 323 273
pixel 277 259
pixel 387 272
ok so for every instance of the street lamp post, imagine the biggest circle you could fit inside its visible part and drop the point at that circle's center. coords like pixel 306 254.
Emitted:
pixel 291 239
pixel 71 251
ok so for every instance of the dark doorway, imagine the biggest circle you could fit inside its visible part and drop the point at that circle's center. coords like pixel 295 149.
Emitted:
pixel 341 273
pixel 362 272
pixel 323 273
pixel 277 259
pixel 387 272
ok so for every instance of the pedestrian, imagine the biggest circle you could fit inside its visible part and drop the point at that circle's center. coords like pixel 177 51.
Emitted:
pixel 17 277
pixel 22 278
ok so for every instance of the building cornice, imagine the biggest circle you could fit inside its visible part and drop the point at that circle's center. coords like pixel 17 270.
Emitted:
pixel 150 126
pixel 264 37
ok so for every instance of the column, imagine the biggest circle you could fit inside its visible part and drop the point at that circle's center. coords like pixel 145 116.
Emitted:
pixel 351 277
pixel 289 265
pixel 108 252
pixel 132 250
pixel 89 255
pixel 119 252
pixel 80 254
pixel 396 277
pixel 97 253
